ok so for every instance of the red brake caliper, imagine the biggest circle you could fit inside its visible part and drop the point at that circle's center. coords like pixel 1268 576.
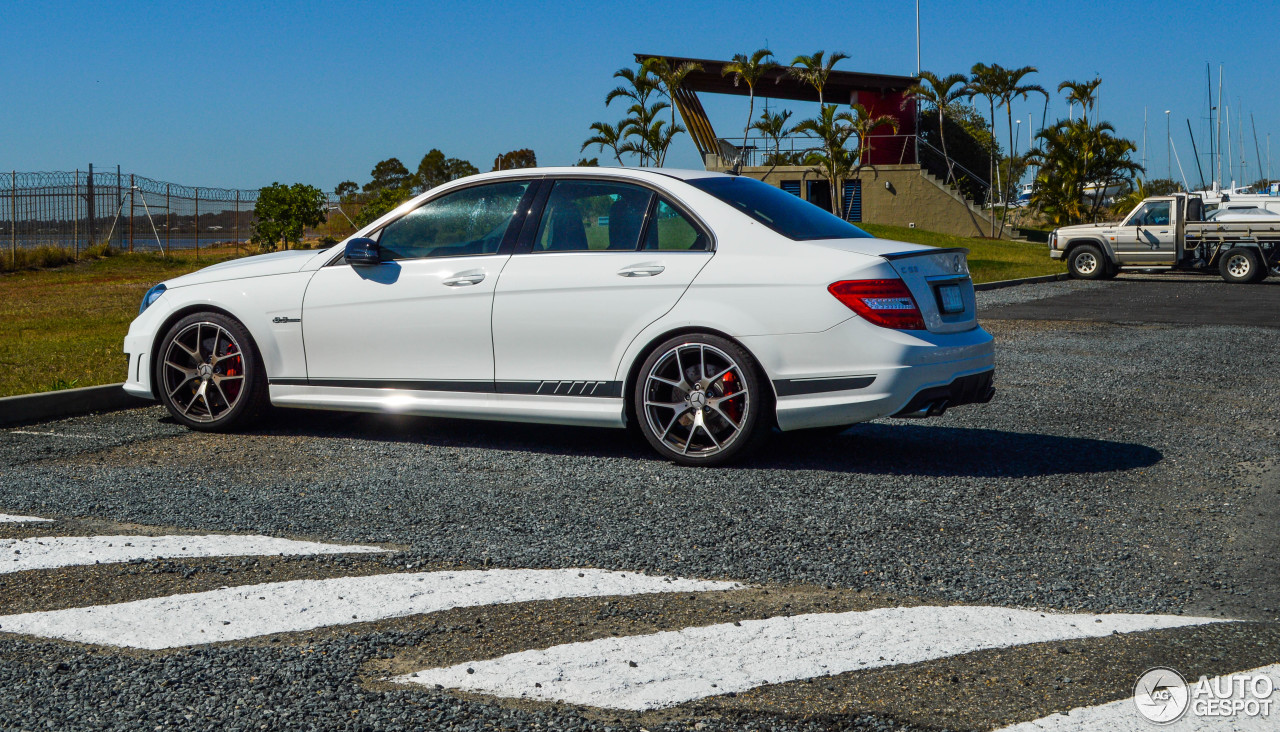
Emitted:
pixel 732 407
pixel 232 369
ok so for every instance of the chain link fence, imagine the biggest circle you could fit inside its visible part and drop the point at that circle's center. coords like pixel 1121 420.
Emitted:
pixel 75 210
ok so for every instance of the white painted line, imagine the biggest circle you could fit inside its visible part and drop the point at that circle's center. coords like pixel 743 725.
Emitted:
pixel 235 613
pixel 50 552
pixel 6 518
pixel 665 669
pixel 1123 716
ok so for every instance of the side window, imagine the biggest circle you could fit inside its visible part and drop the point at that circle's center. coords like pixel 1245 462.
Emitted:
pixel 470 221
pixel 1154 213
pixel 670 230
pixel 584 215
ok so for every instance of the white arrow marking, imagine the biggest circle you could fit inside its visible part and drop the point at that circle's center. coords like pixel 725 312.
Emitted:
pixel 236 613
pixel 665 669
pixel 51 552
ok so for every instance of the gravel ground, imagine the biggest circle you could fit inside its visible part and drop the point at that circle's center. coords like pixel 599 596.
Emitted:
pixel 1120 468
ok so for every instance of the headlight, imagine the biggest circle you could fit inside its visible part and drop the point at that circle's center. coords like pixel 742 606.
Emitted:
pixel 152 295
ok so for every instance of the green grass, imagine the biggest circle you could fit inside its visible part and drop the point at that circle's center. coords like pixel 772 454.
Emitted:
pixel 990 260
pixel 64 328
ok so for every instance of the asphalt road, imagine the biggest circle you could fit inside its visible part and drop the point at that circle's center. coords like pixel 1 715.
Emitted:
pixel 1127 469
pixel 1158 298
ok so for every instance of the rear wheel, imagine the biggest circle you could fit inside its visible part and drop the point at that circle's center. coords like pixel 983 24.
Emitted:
pixel 209 375
pixel 699 400
pixel 1240 265
pixel 1088 263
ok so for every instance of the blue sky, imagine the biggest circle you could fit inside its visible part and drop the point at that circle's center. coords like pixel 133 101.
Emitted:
pixel 243 94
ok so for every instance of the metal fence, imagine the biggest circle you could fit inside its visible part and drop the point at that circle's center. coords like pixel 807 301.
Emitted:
pixel 74 210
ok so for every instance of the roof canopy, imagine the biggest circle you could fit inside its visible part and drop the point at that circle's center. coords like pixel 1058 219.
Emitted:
pixel 778 84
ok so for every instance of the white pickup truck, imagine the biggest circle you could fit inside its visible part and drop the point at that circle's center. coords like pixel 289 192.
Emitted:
pixel 1171 233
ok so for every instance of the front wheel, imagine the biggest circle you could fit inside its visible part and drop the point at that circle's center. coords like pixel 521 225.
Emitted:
pixel 699 400
pixel 1240 265
pixel 1087 263
pixel 209 375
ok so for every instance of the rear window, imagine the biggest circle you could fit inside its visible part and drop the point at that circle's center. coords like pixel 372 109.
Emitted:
pixel 783 212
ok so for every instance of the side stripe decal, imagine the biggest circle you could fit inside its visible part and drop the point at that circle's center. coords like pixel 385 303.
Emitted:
pixel 603 389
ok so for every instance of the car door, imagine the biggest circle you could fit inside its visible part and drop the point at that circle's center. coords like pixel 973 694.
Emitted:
pixel 421 317
pixel 605 259
pixel 1147 237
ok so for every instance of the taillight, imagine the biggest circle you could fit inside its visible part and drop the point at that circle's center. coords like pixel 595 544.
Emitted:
pixel 886 303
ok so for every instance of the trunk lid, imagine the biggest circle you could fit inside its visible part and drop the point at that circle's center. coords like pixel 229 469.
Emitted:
pixel 939 280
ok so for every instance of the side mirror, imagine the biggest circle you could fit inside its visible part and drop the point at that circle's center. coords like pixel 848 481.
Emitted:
pixel 363 252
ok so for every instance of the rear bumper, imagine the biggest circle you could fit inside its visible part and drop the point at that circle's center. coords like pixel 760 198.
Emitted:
pixel 857 372
pixel 932 402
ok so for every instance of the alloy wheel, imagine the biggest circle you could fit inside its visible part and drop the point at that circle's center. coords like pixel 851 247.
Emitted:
pixel 1086 263
pixel 203 372
pixel 696 400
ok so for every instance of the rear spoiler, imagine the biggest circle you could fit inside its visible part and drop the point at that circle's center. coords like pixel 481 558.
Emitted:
pixel 923 252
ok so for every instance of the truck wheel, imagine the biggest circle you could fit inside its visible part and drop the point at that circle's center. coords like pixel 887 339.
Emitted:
pixel 1088 263
pixel 1240 265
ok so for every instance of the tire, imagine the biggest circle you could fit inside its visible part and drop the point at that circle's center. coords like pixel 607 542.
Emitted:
pixel 700 400
pixel 1088 263
pixel 1240 265
pixel 209 374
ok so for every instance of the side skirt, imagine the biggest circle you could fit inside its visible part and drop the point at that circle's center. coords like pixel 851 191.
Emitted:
pixel 543 408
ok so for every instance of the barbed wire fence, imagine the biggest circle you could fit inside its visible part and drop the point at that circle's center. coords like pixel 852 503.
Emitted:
pixel 77 210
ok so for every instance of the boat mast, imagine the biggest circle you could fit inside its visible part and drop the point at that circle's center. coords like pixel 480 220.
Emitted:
pixel 1217 134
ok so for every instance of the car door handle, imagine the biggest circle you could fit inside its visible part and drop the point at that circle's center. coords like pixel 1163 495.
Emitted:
pixel 641 270
pixel 464 280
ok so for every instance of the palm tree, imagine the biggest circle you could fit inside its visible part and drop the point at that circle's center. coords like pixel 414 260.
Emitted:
pixel 863 127
pixel 642 85
pixel 639 126
pixel 815 69
pixel 607 136
pixel 1084 93
pixel 986 81
pixel 671 79
pixel 834 161
pixel 940 92
pixel 749 70
pixel 1010 87
pixel 774 127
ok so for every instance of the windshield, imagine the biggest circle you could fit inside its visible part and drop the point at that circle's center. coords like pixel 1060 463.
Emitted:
pixel 783 212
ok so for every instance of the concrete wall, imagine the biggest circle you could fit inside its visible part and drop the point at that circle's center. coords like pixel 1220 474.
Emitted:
pixel 911 196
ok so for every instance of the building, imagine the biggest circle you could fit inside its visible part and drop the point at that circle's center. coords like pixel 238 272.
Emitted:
pixel 903 182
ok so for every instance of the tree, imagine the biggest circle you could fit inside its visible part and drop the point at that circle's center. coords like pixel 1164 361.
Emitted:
pixel 587 163
pixel 383 201
pixel 987 81
pixel 389 173
pixel 833 161
pixel 864 127
pixel 283 212
pixel 774 127
pixel 815 70
pixel 749 70
pixel 640 133
pixel 522 158
pixel 346 189
pixel 940 92
pixel 1072 155
pixel 436 169
pixel 670 79
pixel 1084 93
pixel 1011 87
pixel 608 137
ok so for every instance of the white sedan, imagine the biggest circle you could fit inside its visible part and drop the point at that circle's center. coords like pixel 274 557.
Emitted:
pixel 701 309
